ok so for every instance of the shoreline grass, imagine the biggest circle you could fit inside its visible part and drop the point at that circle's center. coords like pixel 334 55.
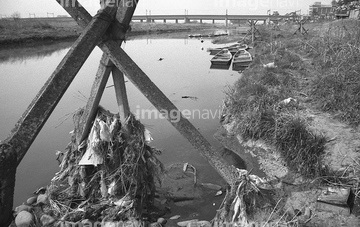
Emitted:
pixel 321 71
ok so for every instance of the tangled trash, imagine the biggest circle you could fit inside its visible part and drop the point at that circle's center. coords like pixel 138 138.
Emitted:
pixel 110 176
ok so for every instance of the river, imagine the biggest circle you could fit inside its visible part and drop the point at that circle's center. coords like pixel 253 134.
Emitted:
pixel 179 67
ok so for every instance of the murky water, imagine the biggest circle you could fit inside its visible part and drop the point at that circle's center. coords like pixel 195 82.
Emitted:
pixel 183 74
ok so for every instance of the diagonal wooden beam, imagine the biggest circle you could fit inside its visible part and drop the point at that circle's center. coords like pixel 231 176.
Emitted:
pixel 125 11
pixel 164 105
pixel 15 146
pixel 124 63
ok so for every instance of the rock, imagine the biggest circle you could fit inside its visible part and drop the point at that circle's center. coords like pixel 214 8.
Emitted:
pixel 307 213
pixel 175 217
pixel 47 219
pixel 42 199
pixel 23 207
pixel 31 200
pixel 86 222
pixel 297 212
pixel 186 223
pixel 162 221
pixel 155 224
pixel 24 219
pixel 204 223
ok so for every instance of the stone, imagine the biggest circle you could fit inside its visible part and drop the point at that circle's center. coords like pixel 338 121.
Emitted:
pixel 337 196
pixel 24 219
pixel 31 200
pixel 175 217
pixel 327 207
pixel 47 219
pixel 162 221
pixel 307 213
pixel 42 199
pixel 23 207
pixel 186 223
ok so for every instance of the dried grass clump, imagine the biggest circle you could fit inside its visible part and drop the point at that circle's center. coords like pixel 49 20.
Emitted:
pixel 123 186
pixel 336 59
pixel 255 103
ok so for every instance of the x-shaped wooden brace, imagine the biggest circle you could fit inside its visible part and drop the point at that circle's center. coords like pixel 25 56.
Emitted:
pixel 253 30
pixel 125 64
pixel 96 32
pixel 301 28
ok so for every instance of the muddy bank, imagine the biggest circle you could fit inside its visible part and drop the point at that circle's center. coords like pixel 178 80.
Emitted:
pixel 255 121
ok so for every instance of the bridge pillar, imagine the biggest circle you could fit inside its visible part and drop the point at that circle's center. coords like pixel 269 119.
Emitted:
pixel 213 21
pixel 187 20
pixel 176 21
pixel 141 20
pixel 164 20
pixel 200 21
pixel 153 20
pixel 226 21
pixel 148 20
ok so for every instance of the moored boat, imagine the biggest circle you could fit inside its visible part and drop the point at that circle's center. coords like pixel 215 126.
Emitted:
pixel 232 48
pixel 242 58
pixel 222 58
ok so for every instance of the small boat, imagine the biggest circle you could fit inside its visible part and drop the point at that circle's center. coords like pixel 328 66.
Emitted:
pixel 222 58
pixel 233 48
pixel 242 58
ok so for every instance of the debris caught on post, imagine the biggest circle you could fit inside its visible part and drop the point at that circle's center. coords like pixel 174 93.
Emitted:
pixel 99 177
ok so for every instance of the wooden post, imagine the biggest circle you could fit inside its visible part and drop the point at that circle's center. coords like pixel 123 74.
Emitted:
pixel 163 104
pixel 15 146
pixel 123 17
pixel 120 92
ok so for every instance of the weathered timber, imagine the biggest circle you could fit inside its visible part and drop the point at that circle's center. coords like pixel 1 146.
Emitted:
pixel 165 106
pixel 92 104
pixel 33 119
pixel 117 31
pixel 120 92
pixel 161 102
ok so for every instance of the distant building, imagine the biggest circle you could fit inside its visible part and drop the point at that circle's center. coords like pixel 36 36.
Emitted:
pixel 320 10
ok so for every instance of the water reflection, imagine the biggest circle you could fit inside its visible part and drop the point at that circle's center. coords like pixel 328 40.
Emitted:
pixel 218 66
pixel 183 75
pixel 31 51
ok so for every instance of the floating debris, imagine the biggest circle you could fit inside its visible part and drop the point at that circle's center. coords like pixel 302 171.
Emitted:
pixel 219 193
pixel 189 97
pixel 211 186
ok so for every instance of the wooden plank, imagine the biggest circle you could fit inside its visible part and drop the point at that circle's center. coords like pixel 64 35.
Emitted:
pixel 121 96
pixel 118 30
pixel 92 104
pixel 34 118
pixel 162 103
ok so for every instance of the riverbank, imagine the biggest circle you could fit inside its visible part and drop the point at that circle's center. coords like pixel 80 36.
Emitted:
pixel 30 30
pixel 295 110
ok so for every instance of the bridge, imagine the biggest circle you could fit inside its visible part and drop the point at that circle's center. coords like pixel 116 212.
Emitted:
pixel 213 18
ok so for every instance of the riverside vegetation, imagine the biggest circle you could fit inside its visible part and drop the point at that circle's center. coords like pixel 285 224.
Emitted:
pixel 317 73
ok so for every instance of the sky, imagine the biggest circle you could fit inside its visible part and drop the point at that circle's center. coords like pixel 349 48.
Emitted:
pixel 43 8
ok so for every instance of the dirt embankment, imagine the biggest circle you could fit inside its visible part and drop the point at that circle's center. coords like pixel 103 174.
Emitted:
pixel 41 29
pixel 277 141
